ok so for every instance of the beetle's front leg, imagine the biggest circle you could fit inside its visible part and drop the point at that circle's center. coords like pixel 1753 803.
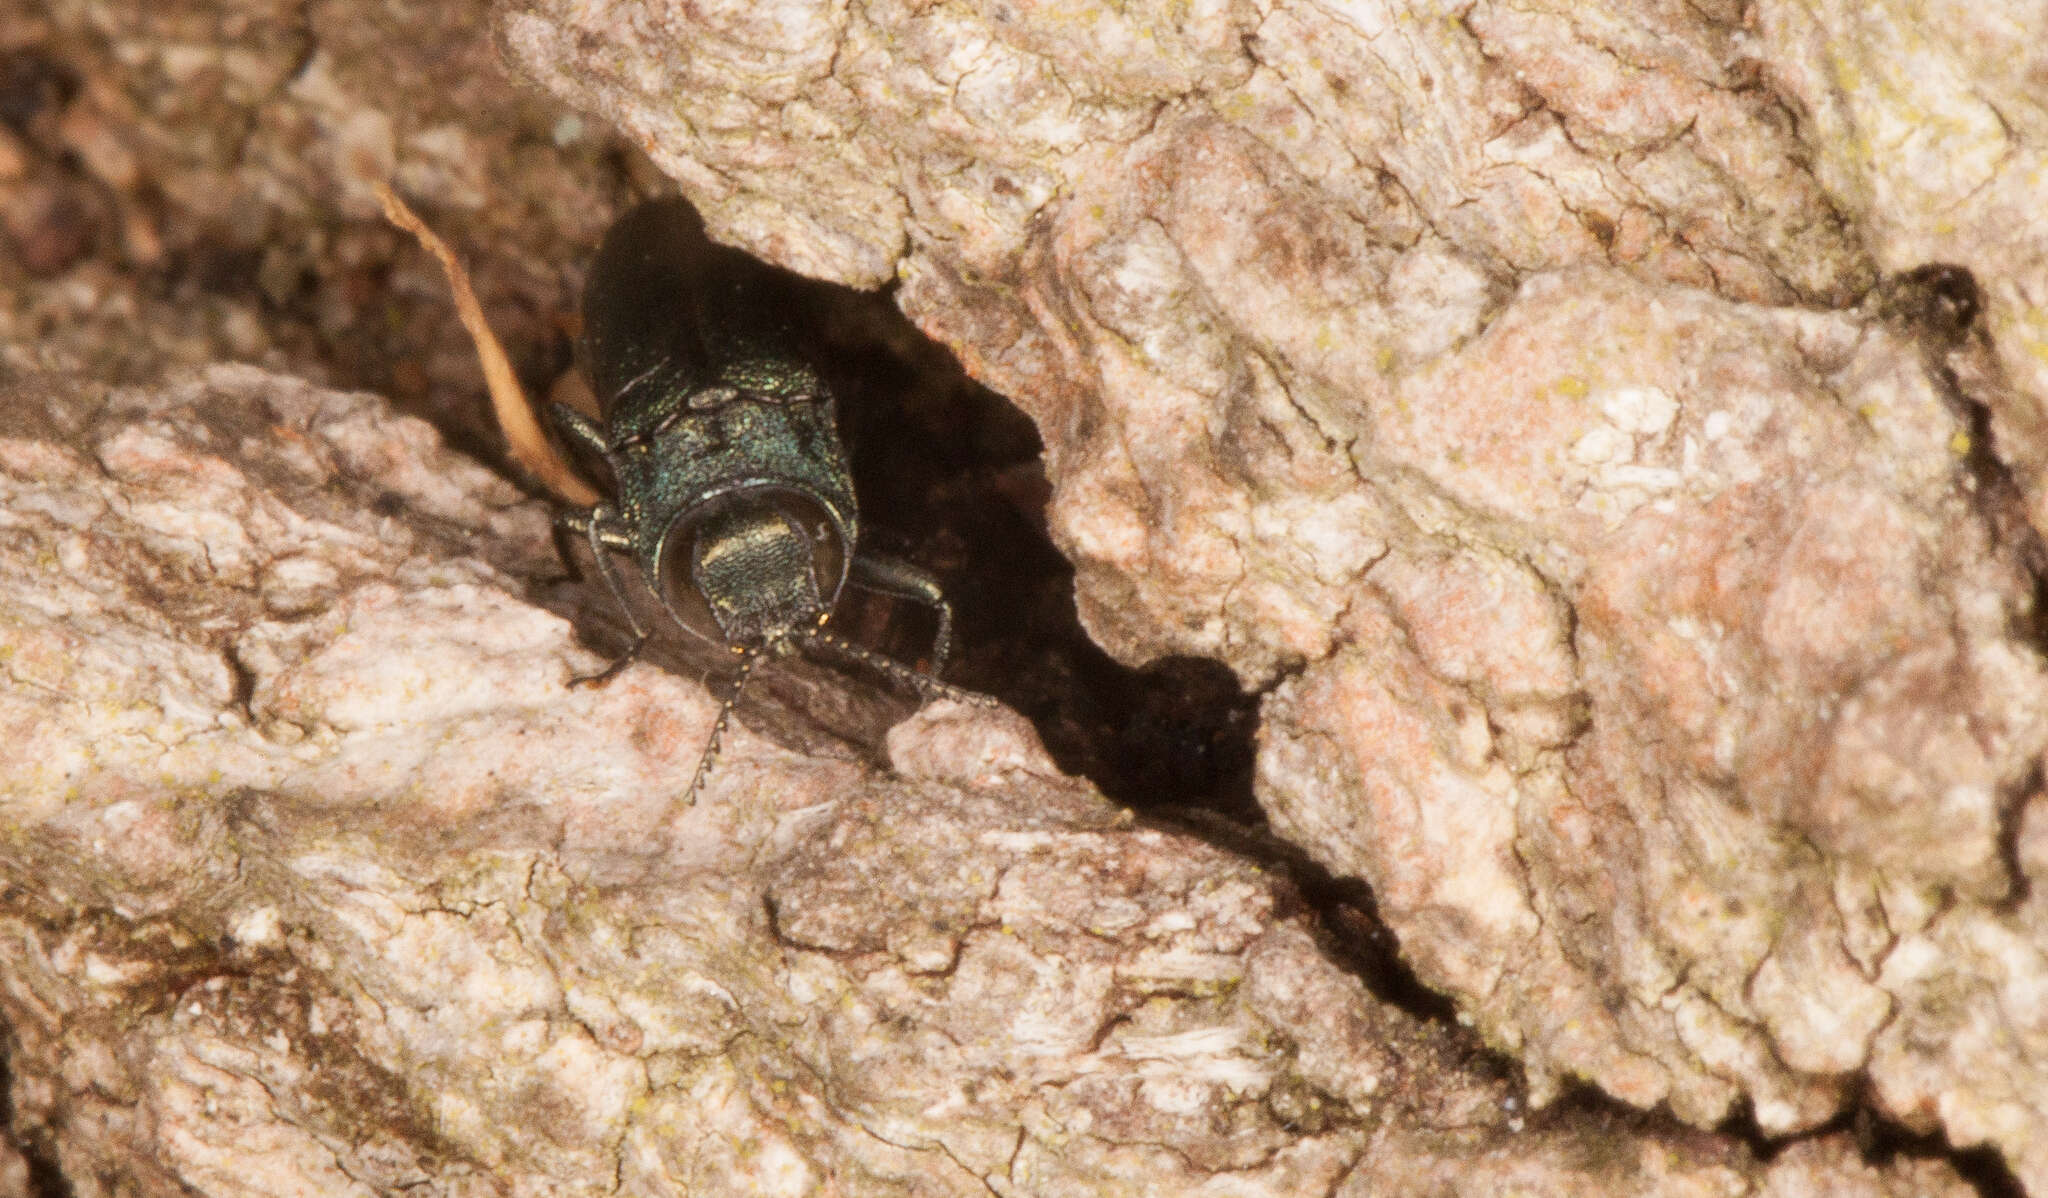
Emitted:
pixel 579 429
pixel 893 576
pixel 925 685
pixel 599 525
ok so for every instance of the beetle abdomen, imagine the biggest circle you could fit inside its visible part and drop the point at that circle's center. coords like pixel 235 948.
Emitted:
pixel 668 313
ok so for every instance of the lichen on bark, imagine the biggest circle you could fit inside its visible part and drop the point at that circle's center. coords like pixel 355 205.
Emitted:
pixel 1520 397
pixel 1531 402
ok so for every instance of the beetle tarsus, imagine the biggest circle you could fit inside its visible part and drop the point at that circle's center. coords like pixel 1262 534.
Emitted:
pixel 924 684
pixel 618 663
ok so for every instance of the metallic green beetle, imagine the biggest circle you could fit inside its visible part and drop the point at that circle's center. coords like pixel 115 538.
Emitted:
pixel 731 490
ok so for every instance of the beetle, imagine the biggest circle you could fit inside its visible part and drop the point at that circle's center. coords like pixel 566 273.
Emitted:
pixel 731 494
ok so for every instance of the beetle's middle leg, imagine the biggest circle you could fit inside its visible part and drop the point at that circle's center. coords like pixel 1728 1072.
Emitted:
pixel 600 526
pixel 894 576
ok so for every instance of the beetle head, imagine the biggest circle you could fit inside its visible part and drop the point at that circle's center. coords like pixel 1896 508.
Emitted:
pixel 755 568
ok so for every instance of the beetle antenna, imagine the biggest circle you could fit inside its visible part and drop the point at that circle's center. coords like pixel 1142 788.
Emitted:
pixel 926 685
pixel 751 659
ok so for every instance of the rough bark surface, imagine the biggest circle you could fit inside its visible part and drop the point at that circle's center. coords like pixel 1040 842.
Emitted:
pixel 187 181
pixel 319 878
pixel 1540 403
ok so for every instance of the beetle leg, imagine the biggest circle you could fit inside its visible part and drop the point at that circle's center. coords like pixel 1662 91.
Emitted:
pixel 751 659
pixel 577 427
pixel 894 576
pixel 924 684
pixel 599 525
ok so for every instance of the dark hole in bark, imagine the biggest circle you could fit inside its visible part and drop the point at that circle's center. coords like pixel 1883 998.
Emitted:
pixel 1982 1167
pixel 44 1179
pixel 1881 1142
pixel 33 84
pixel 949 476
